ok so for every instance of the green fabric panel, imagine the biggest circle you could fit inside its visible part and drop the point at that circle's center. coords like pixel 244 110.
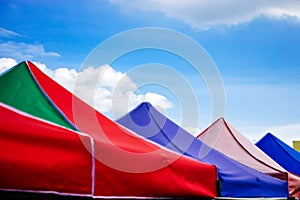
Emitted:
pixel 19 89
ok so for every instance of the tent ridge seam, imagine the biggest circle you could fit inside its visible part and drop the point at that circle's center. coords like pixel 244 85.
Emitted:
pixel 161 129
pixel 50 101
pixel 249 152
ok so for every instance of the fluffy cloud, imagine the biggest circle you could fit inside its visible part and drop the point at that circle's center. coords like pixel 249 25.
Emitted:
pixel 111 91
pixel 102 87
pixel 24 51
pixel 154 98
pixel 202 14
pixel 6 63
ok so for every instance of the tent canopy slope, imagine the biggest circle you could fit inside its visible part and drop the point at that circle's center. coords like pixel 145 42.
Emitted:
pixel 38 156
pixel 150 123
pixel 184 177
pixel 222 135
pixel 20 90
pixel 225 138
pixel 282 153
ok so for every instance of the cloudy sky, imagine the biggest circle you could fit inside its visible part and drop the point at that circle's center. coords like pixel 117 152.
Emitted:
pixel 255 46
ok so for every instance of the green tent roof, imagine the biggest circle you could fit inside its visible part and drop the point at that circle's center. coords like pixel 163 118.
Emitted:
pixel 20 90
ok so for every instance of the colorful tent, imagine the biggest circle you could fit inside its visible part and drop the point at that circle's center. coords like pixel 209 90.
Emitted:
pixel 225 138
pixel 36 155
pixel 43 153
pixel 236 179
pixel 282 153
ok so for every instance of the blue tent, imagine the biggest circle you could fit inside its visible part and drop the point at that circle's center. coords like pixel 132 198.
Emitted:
pixel 236 180
pixel 282 153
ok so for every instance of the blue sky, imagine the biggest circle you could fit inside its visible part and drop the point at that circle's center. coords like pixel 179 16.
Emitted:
pixel 255 46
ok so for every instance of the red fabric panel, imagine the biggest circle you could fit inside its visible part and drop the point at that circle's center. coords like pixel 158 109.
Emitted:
pixel 39 156
pixel 183 177
pixel 84 117
pixel 118 148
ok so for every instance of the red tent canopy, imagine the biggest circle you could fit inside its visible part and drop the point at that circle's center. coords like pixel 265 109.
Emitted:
pixel 39 156
pixel 124 164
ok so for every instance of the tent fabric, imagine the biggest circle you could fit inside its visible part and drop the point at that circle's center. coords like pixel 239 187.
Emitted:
pixel 120 156
pixel 236 179
pixel 37 155
pixel 282 153
pixel 20 90
pixel 223 137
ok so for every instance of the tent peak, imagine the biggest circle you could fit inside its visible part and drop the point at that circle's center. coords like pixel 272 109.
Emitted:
pixel 268 135
pixel 145 103
pixel 221 119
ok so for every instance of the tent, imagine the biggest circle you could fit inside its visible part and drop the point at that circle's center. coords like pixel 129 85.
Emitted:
pixel 38 155
pixel 282 153
pixel 236 179
pixel 225 138
pixel 41 128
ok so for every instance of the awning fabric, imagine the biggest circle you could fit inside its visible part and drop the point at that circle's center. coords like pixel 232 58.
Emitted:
pixel 237 180
pixel 38 156
pixel 282 153
pixel 225 138
pixel 46 119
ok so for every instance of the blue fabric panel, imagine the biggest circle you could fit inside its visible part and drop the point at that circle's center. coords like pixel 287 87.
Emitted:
pixel 282 153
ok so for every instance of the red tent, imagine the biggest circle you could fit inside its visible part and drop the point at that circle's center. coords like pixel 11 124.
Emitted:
pixel 225 138
pixel 36 155
pixel 124 164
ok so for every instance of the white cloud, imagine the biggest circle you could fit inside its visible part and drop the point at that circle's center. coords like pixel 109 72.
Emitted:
pixel 97 86
pixel 154 98
pixel 202 14
pixel 8 33
pixel 23 51
pixel 7 63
